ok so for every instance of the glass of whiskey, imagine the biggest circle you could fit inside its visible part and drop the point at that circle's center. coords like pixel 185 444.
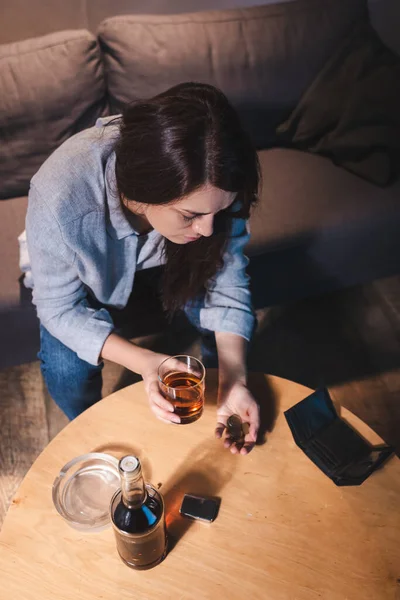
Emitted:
pixel 181 380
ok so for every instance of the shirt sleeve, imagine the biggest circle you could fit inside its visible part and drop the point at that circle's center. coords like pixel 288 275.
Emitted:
pixel 227 303
pixel 58 294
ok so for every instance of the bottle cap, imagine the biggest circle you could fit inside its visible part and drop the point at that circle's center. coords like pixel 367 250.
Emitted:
pixel 129 464
pixel 83 490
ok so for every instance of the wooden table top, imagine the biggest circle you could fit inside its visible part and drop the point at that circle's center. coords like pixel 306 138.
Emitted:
pixel 284 530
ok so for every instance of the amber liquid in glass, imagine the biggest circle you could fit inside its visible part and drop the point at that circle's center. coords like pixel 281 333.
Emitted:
pixel 187 395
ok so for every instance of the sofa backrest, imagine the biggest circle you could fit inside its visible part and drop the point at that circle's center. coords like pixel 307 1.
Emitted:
pixel 51 87
pixel 262 57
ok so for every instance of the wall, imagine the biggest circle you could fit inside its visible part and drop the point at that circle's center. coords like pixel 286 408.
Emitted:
pixel 21 19
pixel 385 17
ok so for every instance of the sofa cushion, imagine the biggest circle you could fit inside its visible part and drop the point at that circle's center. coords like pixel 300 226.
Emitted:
pixel 12 219
pixel 262 57
pixel 304 195
pixel 52 87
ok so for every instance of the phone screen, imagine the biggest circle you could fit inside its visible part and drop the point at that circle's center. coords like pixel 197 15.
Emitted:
pixel 196 507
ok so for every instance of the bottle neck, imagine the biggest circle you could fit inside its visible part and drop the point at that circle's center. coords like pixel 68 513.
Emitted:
pixel 133 488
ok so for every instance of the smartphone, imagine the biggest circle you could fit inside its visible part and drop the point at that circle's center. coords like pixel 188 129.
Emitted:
pixel 197 507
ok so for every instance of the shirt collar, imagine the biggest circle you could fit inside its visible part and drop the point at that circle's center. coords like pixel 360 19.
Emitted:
pixel 118 226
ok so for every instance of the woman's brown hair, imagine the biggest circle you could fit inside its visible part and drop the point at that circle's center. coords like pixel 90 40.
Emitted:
pixel 172 145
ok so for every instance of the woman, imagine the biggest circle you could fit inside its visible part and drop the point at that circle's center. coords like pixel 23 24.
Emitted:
pixel 170 183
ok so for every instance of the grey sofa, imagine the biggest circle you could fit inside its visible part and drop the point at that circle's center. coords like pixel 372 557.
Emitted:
pixel 317 228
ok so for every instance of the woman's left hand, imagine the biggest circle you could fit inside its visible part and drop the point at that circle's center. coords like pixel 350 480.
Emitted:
pixel 238 400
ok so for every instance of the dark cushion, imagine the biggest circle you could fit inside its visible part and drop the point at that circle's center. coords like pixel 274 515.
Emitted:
pixel 52 87
pixel 350 113
pixel 384 16
pixel 262 57
pixel 304 195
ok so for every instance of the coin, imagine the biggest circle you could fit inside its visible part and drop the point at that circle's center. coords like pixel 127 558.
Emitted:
pixel 234 427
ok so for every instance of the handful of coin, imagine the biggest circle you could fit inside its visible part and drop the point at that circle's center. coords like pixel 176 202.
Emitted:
pixel 234 428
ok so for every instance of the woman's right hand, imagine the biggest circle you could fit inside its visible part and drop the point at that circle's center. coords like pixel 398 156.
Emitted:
pixel 162 408
pixel 145 362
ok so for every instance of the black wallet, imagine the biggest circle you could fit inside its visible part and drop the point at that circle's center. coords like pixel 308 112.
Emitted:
pixel 335 447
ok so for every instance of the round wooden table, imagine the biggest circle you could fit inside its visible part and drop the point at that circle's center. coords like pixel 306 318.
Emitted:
pixel 284 530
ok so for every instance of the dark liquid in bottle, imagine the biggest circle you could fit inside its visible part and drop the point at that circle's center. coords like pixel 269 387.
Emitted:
pixel 137 520
pixel 189 395
pixel 148 547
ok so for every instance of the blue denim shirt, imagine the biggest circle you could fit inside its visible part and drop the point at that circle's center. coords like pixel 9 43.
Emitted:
pixel 80 244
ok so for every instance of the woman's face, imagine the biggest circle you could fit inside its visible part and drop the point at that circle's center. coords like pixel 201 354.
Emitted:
pixel 188 219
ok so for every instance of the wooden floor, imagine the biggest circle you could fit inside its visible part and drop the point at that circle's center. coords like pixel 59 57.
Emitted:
pixel 349 341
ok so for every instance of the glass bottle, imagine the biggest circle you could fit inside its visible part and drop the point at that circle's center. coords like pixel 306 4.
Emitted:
pixel 137 515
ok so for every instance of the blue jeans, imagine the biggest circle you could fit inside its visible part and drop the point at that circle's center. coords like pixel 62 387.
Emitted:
pixel 75 384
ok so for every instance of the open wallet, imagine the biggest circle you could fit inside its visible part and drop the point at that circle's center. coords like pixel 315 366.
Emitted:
pixel 333 445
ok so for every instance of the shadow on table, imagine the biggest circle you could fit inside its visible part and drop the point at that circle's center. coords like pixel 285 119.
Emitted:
pixel 205 472
pixel 269 407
